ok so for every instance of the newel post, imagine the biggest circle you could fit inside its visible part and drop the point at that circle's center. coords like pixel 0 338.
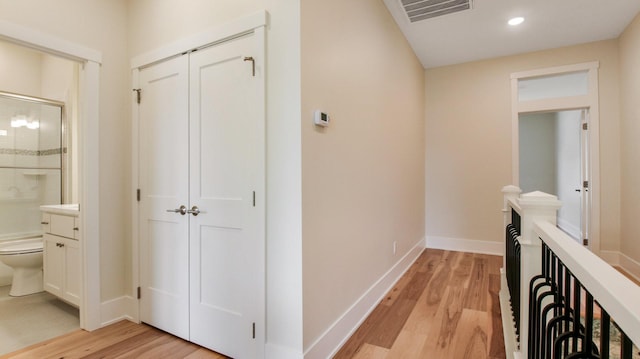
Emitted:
pixel 534 207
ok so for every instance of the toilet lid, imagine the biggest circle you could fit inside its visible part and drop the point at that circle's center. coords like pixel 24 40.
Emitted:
pixel 21 248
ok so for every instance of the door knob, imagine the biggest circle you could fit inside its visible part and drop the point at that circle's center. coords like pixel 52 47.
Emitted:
pixel 194 210
pixel 182 210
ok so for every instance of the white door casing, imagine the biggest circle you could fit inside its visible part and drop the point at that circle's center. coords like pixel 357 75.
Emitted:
pixel 164 185
pixel 589 101
pixel 89 155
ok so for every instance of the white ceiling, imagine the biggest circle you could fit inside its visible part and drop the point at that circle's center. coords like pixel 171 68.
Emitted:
pixel 482 32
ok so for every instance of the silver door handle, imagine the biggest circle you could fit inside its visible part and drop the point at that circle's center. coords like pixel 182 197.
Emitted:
pixel 194 210
pixel 182 210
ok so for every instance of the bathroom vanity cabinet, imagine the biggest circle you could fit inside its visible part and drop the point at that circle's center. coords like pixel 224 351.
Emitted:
pixel 61 254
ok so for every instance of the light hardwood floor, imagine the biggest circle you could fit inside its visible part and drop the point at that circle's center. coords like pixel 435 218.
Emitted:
pixel 121 340
pixel 445 306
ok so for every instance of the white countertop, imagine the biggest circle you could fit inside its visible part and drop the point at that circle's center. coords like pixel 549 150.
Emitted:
pixel 64 209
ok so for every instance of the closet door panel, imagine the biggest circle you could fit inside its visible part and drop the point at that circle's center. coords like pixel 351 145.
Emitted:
pixel 227 254
pixel 164 185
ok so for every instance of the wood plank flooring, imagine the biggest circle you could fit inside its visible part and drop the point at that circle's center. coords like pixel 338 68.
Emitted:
pixel 445 307
pixel 121 340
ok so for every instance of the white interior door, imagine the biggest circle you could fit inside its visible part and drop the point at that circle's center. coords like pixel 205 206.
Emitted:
pixel 569 162
pixel 164 185
pixel 227 161
pixel 202 147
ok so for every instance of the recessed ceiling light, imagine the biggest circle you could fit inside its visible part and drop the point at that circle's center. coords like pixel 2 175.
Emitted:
pixel 516 21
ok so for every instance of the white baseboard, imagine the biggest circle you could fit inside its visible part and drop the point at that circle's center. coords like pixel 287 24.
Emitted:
pixel 630 265
pixel 465 245
pixel 339 332
pixel 273 351
pixel 117 309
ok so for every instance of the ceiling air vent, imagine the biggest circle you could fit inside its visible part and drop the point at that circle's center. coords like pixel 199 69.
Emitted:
pixel 425 9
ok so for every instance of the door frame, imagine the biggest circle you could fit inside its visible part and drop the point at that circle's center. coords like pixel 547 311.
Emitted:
pixel 255 23
pixel 88 151
pixel 589 102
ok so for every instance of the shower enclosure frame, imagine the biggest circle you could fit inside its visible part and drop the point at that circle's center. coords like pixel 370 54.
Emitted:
pixel 63 136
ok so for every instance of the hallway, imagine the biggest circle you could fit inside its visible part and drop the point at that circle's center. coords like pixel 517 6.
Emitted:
pixel 445 306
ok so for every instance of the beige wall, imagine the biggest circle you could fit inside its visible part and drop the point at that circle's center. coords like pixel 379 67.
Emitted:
pixel 468 141
pixel 20 69
pixel 153 24
pixel 630 141
pixel 100 25
pixel 363 176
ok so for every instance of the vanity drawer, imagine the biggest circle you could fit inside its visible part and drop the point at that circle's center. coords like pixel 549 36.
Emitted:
pixel 62 225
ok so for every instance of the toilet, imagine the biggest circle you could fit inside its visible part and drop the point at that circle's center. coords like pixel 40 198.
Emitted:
pixel 25 257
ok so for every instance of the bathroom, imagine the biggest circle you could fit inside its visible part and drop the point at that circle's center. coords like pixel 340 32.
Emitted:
pixel 38 166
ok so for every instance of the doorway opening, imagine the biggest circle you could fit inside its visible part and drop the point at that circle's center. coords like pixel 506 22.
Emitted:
pixel 555 148
pixel 554 159
pixel 88 84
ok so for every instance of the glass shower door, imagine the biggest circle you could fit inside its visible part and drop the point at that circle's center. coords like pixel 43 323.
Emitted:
pixel 31 162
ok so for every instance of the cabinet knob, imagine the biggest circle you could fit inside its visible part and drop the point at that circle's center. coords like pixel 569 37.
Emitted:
pixel 44 222
pixel 76 228
pixel 60 245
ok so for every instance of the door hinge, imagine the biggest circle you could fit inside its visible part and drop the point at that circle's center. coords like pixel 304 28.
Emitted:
pixel 138 97
pixel 254 330
pixel 254 198
pixel 139 293
pixel 253 64
pixel 585 242
pixel 585 184
pixel 585 126
pixel 138 194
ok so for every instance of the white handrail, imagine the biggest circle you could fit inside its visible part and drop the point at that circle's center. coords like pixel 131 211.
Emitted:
pixel 515 205
pixel 615 293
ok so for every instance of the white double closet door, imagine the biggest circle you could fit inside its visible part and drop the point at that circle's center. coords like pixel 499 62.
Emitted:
pixel 201 150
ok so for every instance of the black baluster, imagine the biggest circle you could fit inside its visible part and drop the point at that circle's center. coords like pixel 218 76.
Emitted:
pixel 626 350
pixel 588 343
pixel 605 333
